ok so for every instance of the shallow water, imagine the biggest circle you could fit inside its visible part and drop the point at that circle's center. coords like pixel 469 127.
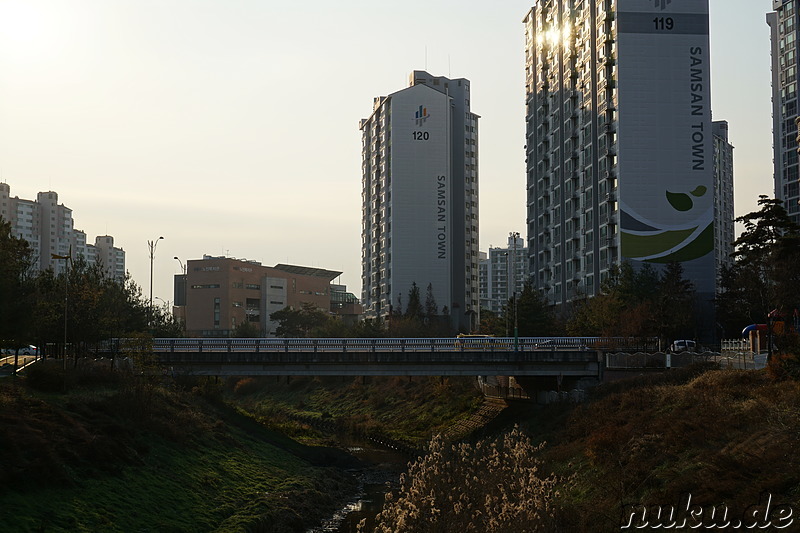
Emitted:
pixel 381 474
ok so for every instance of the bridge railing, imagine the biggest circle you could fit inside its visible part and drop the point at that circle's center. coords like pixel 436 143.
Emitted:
pixel 487 344
pixel 440 344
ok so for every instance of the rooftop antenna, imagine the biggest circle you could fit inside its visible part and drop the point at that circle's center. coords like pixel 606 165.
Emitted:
pixel 449 75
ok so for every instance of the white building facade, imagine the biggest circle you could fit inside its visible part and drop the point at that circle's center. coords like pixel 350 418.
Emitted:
pixel 49 229
pixel 784 33
pixel 504 271
pixel 420 199
pixel 618 142
pixel 724 234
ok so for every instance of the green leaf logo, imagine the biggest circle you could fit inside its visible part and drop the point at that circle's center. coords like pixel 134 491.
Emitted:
pixel 679 200
pixel 699 191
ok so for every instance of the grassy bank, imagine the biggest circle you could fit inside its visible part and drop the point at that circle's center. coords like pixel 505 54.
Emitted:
pixel 110 452
pixel 407 409
pixel 725 437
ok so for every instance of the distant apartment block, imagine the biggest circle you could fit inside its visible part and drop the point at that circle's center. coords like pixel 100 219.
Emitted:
pixel 723 196
pixel 619 143
pixel 217 294
pixel 784 39
pixel 420 199
pixel 504 271
pixel 49 229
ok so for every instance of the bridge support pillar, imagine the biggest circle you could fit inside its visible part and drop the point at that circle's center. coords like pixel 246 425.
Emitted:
pixel 552 389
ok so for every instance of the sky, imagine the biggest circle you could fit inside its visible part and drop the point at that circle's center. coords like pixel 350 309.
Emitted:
pixel 231 127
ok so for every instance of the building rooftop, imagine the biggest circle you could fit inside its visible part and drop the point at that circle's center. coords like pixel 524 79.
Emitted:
pixel 309 271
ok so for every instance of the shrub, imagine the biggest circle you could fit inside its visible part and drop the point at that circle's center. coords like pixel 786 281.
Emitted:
pixel 492 486
pixel 46 376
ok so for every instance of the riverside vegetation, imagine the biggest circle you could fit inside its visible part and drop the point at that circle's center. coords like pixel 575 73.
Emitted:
pixel 93 450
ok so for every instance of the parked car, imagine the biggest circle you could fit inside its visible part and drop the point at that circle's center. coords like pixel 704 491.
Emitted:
pixel 683 345
pixel 25 350
pixel 29 350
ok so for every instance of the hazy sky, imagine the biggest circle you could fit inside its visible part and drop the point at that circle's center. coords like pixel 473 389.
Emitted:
pixel 231 127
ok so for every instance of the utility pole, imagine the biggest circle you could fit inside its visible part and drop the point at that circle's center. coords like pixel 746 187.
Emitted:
pixel 513 284
pixel 152 245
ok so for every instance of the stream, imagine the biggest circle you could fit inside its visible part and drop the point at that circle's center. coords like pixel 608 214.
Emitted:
pixel 380 474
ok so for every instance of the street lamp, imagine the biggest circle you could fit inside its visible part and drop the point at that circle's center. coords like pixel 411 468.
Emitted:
pixel 513 283
pixel 183 267
pixel 180 291
pixel 152 245
pixel 66 259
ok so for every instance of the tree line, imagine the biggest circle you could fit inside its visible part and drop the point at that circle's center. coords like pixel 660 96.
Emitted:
pixel 33 302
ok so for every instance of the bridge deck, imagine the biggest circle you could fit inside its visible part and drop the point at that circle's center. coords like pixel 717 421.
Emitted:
pixel 379 363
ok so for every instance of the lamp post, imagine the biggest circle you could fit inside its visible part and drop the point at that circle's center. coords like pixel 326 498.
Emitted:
pixel 152 245
pixel 66 259
pixel 182 291
pixel 183 267
pixel 513 283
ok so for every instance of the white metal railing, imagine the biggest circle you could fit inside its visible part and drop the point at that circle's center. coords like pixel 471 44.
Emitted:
pixel 383 344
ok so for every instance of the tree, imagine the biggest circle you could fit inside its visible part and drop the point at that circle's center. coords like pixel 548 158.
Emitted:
pixel 675 305
pixel 299 322
pixel 16 263
pixel 533 314
pixel 431 309
pixel 247 330
pixel 764 276
pixel 414 307
pixel 637 303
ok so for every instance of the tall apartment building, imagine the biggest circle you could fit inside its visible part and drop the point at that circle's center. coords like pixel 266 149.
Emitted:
pixel 503 272
pixel 723 196
pixel 49 229
pixel 618 141
pixel 420 199
pixel 784 33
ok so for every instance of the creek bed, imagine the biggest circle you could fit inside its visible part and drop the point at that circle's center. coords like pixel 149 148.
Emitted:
pixel 380 474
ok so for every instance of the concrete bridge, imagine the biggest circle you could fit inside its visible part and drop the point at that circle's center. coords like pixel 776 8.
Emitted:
pixel 572 358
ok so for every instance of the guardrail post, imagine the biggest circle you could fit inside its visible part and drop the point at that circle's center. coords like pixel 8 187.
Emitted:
pixel 314 342
pixel 402 345
pixel 373 345
pixel 258 345
pixel 228 345
pixel 344 345
pixel 286 345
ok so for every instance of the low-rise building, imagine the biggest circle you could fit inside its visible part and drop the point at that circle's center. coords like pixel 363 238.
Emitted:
pixel 222 292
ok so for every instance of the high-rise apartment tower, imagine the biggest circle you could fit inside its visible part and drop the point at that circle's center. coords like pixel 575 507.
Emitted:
pixel 503 273
pixel 49 229
pixel 618 142
pixel 420 199
pixel 723 196
pixel 784 34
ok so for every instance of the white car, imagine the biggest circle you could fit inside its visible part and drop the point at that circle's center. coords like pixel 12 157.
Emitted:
pixel 683 345
pixel 25 350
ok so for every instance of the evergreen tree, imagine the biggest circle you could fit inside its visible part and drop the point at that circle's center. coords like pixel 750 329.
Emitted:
pixel 764 276
pixel 414 307
pixel 431 309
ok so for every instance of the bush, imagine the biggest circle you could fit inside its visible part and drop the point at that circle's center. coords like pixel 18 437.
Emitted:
pixel 46 376
pixel 492 486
